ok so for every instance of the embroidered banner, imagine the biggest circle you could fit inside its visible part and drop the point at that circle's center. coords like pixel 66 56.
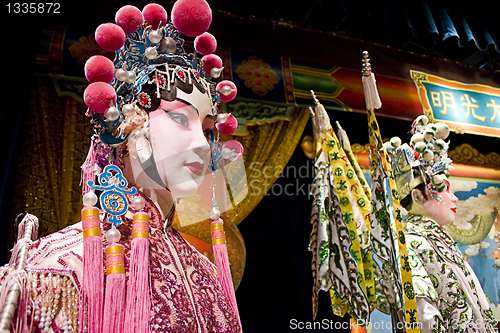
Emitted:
pixel 471 108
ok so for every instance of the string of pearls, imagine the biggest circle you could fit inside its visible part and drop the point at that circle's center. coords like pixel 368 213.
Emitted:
pixel 54 296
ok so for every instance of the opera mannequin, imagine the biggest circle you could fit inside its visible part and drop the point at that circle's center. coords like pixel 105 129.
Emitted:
pixel 449 295
pixel 124 268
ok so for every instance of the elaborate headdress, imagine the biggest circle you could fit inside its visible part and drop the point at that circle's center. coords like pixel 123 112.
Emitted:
pixel 424 160
pixel 150 65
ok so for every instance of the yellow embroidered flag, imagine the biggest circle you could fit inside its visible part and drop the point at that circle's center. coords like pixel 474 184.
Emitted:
pixel 400 292
pixel 340 210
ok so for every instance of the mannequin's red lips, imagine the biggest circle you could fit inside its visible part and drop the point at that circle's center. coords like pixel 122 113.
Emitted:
pixel 195 167
pixel 454 209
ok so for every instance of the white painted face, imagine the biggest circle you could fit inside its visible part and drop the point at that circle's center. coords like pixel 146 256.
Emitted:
pixel 180 148
pixel 443 213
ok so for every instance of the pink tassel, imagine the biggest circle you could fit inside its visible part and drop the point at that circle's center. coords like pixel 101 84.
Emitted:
pixel 19 278
pixel 22 307
pixel 93 275
pixel 114 303
pixel 88 169
pixel 222 262
pixel 33 221
pixel 138 306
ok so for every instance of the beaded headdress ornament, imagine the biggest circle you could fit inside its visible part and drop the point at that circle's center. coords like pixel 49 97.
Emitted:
pixel 150 64
pixel 424 160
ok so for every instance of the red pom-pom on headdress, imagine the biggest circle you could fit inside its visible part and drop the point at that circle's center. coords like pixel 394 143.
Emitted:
pixel 191 17
pixel 229 126
pixel 227 90
pixel 129 18
pixel 211 61
pixel 99 96
pixel 234 146
pixel 154 14
pixel 205 43
pixel 99 68
pixel 110 36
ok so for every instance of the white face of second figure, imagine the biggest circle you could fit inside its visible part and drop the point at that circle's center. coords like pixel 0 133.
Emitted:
pixel 180 147
pixel 443 213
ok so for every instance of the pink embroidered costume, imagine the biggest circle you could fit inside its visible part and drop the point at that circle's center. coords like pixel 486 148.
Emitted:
pixel 186 294
pixel 124 268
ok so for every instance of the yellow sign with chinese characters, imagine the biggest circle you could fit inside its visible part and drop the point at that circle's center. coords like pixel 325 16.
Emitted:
pixel 471 108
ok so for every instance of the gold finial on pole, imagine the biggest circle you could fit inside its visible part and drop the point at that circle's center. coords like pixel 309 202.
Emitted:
pixel 372 98
pixel 366 67
pixel 321 121
pixel 311 111
pixel 316 101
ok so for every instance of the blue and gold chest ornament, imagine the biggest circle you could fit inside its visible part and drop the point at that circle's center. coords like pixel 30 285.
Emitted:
pixel 114 186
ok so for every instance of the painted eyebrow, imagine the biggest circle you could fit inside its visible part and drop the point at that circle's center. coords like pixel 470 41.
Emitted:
pixel 176 106
pixel 188 104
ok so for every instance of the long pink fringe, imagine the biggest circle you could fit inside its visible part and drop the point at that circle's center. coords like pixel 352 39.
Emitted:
pixel 33 221
pixel 19 276
pixel 222 262
pixel 20 322
pixel 138 305
pixel 114 303
pixel 93 274
pixel 22 307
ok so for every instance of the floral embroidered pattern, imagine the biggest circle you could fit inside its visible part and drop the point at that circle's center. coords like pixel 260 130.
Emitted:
pixel 436 262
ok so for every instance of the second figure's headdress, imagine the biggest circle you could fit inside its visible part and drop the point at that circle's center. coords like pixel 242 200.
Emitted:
pixel 424 160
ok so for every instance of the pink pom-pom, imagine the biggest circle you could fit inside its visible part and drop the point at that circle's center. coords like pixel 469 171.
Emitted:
pixel 99 96
pixel 235 146
pixel 228 127
pixel 227 90
pixel 205 43
pixel 154 14
pixel 191 17
pixel 110 36
pixel 211 61
pixel 99 68
pixel 129 18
